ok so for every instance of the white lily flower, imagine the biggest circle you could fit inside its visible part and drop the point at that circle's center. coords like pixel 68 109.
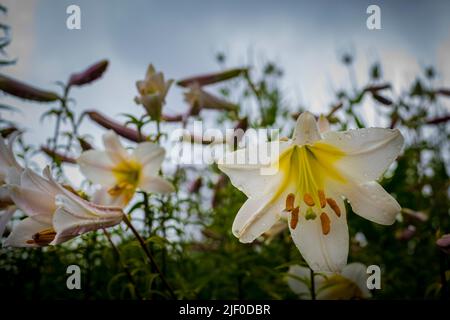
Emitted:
pixel 351 283
pixel 55 214
pixel 7 158
pixel 9 170
pixel 122 172
pixel 314 172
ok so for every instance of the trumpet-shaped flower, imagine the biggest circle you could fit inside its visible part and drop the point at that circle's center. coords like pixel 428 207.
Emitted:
pixel 8 163
pixel 311 174
pixel 351 283
pixel 122 172
pixel 55 214
pixel 152 92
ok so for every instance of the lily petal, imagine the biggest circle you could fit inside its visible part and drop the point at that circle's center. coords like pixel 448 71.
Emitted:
pixel 67 225
pixel 368 152
pixel 151 156
pixel 97 167
pixel 357 272
pixel 5 216
pixel 247 176
pixel 156 184
pixel 24 231
pixel 33 202
pixel 298 279
pixel 323 253
pixel 256 216
pixel 113 147
pixel 306 130
pixel 371 201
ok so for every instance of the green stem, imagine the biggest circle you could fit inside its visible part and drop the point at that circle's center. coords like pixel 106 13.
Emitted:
pixel 313 285
pixel 122 264
pixel 149 255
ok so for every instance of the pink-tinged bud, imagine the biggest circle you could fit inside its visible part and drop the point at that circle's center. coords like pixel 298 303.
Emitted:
pixel 85 146
pixel 444 243
pixel 25 91
pixel 57 156
pixel 444 92
pixel 121 130
pixel 383 100
pixel 438 120
pixel 200 99
pixel 89 75
pixel 205 79
pixel 376 88
pixel 196 185
pixel 172 118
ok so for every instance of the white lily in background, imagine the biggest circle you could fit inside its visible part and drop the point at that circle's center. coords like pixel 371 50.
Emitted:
pixel 121 172
pixel 351 283
pixel 55 214
pixel 8 163
pixel 152 92
pixel 313 172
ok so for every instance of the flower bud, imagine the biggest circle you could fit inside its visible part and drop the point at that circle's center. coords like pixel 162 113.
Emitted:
pixel 25 91
pixel 108 123
pixel 211 78
pixel 89 75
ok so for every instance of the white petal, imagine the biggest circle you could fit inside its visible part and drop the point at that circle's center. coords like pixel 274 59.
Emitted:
pixel 151 156
pixel 323 253
pixel 298 279
pixel 306 130
pixel 357 273
pixel 116 152
pixel 103 198
pixel 323 124
pixel 24 231
pixel 250 177
pixel 156 184
pixel 368 152
pixel 5 216
pixel 371 201
pixel 67 225
pixel 256 216
pixel 97 167
pixel 31 201
pixel 31 180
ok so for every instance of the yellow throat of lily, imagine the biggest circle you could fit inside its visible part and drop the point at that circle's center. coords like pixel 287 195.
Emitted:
pixel 128 175
pixel 306 170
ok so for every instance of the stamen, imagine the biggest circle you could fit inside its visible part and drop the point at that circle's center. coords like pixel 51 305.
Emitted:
pixel 308 200
pixel 43 238
pixel 290 202
pixel 325 221
pixel 310 214
pixel 332 203
pixel 294 218
pixel 322 199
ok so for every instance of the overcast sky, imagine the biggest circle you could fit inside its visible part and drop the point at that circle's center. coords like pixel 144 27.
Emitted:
pixel 182 37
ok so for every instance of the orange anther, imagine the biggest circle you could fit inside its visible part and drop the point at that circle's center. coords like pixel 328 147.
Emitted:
pixel 290 202
pixel 323 201
pixel 332 203
pixel 308 200
pixel 325 221
pixel 294 218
